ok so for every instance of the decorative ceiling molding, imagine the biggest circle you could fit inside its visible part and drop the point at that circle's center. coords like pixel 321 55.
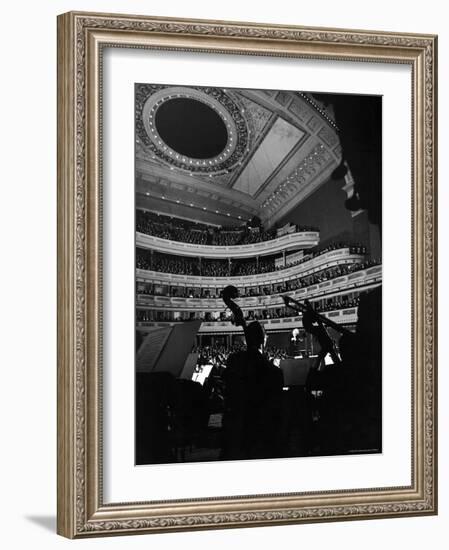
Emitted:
pixel 271 154
pixel 148 175
pixel 260 121
pixel 150 97
pixel 270 185
pixel 314 170
pixel 213 189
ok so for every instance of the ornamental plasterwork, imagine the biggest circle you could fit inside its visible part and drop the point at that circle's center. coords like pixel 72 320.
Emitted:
pixel 149 97
pixel 256 115
pixel 306 170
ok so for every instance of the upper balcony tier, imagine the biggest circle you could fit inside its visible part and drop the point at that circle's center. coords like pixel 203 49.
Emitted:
pixel 292 241
pixel 319 262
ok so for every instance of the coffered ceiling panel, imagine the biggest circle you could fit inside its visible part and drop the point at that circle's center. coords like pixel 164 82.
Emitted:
pixel 271 152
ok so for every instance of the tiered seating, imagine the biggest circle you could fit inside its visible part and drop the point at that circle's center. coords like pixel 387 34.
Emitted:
pixel 175 229
pixel 313 273
pixel 208 267
pixel 263 290
pixel 345 301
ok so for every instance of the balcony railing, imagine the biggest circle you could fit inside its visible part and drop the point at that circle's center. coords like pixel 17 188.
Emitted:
pixel 366 279
pixel 292 241
pixel 323 261
pixel 346 316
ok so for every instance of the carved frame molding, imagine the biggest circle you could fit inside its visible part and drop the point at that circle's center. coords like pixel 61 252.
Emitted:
pixel 81 37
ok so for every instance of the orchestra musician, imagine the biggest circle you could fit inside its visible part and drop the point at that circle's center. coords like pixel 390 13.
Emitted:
pixel 354 389
pixel 252 398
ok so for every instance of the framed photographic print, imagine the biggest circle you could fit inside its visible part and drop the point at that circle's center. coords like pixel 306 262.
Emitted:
pixel 246 274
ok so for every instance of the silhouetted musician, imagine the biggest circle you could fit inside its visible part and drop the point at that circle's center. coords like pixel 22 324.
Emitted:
pixel 253 399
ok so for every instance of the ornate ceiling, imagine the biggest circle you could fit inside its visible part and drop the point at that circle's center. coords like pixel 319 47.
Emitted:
pixel 221 156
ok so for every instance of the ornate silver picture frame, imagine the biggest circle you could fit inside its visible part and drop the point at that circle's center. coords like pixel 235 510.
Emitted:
pixel 83 510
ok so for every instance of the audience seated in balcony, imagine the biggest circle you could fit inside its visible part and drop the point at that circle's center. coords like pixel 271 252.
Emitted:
pixel 322 305
pixel 221 268
pixel 207 267
pixel 318 251
pixel 176 229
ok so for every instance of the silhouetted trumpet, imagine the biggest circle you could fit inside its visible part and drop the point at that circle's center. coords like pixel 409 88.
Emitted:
pixel 307 307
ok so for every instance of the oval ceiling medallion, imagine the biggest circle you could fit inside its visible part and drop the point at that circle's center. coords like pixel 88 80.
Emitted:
pixel 193 129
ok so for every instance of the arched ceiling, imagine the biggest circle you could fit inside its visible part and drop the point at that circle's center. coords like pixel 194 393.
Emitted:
pixel 222 156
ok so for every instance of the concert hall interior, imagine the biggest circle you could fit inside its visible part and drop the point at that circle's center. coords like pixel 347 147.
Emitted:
pixel 275 196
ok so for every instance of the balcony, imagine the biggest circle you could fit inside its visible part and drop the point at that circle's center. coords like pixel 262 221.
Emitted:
pixel 360 280
pixel 328 259
pixel 292 241
pixel 344 316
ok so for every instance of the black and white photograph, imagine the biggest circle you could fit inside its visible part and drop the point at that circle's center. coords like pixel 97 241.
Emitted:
pixel 258 261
